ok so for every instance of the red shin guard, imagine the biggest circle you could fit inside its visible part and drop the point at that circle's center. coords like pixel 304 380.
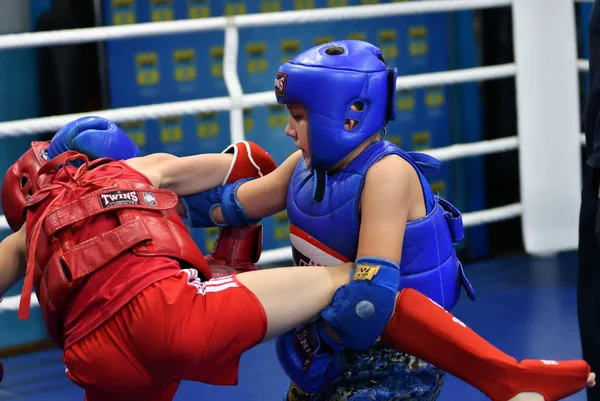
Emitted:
pixel 422 328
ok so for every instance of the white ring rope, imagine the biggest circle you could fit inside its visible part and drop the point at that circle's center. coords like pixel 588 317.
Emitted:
pixel 452 152
pixel 172 109
pixel 462 150
pixel 12 303
pixel 85 35
pixel 469 220
pixel 285 254
pixel 456 76
pixel 280 255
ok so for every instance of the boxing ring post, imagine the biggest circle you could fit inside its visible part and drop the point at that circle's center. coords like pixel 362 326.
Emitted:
pixel 232 82
pixel 545 47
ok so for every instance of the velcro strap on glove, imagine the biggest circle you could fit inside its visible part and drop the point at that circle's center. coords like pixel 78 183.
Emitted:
pixel 200 206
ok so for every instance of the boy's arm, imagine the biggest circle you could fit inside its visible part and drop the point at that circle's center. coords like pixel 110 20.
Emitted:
pixel 205 182
pixel 12 260
pixel 267 195
pixel 183 175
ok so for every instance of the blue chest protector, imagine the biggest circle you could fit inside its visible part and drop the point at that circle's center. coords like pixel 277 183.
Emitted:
pixel 326 233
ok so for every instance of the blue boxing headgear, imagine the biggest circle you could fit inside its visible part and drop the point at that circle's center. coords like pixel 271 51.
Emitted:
pixel 327 80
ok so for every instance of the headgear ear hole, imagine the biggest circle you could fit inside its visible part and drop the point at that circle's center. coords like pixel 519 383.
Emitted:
pixel 381 57
pixel 335 51
pixel 356 108
pixel 350 124
pixel 359 106
pixel 24 181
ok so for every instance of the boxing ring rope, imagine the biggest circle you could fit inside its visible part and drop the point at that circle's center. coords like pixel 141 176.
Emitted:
pixel 148 29
pixel 532 98
pixel 172 109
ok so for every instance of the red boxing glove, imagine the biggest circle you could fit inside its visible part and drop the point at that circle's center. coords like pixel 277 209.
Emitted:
pixel 249 161
pixel 236 249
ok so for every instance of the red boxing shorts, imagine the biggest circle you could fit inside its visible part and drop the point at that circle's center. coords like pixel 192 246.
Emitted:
pixel 179 328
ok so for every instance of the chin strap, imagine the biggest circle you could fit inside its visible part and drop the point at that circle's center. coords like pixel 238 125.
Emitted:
pixel 320 184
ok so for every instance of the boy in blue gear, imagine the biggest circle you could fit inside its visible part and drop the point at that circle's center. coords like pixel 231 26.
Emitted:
pixel 340 97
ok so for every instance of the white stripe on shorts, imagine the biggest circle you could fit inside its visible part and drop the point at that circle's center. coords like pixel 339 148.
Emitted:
pixel 221 287
pixel 214 285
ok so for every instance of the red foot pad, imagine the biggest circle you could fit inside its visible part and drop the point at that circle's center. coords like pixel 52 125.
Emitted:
pixel 422 328
pixel 554 380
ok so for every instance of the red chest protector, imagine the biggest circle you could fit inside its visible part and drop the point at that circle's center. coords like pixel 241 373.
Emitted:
pixel 143 221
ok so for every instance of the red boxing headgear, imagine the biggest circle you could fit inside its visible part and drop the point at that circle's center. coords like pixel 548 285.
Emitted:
pixel 21 182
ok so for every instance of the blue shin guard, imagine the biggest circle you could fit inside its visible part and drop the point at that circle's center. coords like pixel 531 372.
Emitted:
pixel 360 310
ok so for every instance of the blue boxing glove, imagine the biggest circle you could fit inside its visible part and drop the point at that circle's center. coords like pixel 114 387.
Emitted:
pixel 249 161
pixel 200 206
pixel 310 358
pixel 95 137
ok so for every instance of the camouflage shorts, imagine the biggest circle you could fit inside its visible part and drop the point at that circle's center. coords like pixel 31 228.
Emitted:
pixel 379 374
